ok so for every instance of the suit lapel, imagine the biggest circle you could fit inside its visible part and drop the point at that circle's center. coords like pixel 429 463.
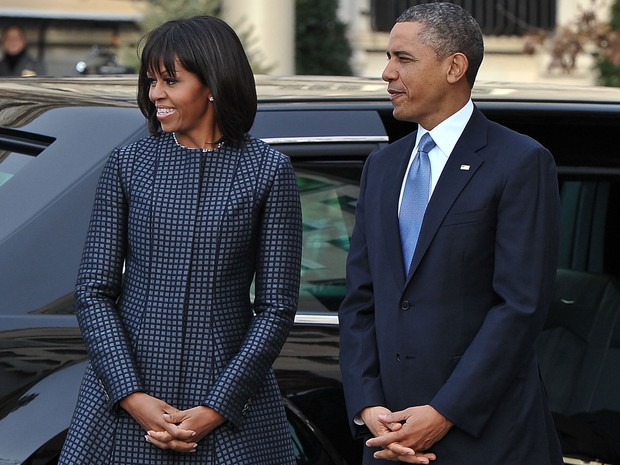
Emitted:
pixel 460 168
pixel 391 186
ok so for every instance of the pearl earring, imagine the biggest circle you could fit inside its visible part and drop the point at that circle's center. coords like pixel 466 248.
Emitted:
pixel 211 99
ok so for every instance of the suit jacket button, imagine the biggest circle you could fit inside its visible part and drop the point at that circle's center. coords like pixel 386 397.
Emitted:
pixel 404 305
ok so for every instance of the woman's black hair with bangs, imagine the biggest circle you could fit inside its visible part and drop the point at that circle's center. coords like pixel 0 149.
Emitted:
pixel 209 48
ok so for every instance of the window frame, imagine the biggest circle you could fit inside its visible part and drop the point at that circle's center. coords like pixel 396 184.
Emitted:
pixel 315 153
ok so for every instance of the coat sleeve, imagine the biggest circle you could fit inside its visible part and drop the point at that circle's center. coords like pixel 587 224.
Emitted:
pixel 98 288
pixel 526 248
pixel 359 358
pixel 278 264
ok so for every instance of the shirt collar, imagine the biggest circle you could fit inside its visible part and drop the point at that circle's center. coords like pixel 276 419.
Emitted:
pixel 447 133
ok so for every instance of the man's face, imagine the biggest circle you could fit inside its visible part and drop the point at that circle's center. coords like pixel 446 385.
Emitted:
pixel 13 41
pixel 416 76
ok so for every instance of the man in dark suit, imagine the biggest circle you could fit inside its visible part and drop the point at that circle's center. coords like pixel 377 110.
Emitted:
pixel 437 331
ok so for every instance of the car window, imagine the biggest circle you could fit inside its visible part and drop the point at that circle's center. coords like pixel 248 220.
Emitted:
pixel 11 163
pixel 590 224
pixel 579 346
pixel 17 149
pixel 328 195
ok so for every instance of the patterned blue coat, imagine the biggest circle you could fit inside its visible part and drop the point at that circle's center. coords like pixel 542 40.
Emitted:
pixel 192 229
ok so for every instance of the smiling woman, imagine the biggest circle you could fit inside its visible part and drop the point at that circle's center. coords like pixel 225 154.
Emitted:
pixel 202 72
pixel 180 351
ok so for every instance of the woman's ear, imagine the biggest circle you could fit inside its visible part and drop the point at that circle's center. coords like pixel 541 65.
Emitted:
pixel 457 69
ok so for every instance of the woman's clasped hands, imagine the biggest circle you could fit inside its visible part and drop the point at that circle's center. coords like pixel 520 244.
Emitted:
pixel 169 428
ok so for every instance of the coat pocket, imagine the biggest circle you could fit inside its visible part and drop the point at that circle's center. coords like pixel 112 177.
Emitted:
pixel 472 216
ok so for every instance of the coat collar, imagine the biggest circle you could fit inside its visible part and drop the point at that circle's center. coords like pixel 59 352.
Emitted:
pixel 177 198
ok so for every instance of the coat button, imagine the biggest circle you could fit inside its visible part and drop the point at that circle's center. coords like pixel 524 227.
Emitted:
pixel 404 305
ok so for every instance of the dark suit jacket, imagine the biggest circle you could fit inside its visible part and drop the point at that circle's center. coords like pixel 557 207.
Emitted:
pixel 458 333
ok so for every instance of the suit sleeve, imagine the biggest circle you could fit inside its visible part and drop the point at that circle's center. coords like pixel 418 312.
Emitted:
pixel 98 288
pixel 525 250
pixel 276 297
pixel 359 358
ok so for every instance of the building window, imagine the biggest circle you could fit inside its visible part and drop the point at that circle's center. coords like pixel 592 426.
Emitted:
pixel 496 17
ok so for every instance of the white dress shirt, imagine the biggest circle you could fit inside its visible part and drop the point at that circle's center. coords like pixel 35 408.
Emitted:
pixel 446 134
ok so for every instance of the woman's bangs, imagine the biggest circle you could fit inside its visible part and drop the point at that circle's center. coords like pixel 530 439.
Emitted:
pixel 161 58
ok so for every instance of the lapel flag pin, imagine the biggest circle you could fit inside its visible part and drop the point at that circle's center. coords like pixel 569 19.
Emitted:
pixel 465 167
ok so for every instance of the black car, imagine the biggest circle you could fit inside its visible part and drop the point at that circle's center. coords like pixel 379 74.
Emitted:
pixel 55 135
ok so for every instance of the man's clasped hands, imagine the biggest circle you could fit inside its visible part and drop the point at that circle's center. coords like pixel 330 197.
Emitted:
pixel 405 435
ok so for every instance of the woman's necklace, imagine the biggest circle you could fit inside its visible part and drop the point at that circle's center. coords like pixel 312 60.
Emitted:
pixel 217 145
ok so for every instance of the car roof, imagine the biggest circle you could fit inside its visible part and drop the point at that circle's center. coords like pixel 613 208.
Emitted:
pixel 22 100
pixel 121 91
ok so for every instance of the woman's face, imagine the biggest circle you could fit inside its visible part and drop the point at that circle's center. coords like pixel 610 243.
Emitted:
pixel 182 103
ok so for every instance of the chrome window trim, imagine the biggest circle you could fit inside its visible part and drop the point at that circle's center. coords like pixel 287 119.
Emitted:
pixel 588 170
pixel 324 139
pixel 576 461
pixel 323 319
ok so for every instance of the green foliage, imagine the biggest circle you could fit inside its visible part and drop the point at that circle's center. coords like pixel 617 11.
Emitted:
pixel 608 63
pixel 614 21
pixel 589 34
pixel 161 11
pixel 321 45
pixel 609 73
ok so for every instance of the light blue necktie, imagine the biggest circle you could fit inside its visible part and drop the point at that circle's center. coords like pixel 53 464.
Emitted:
pixel 415 199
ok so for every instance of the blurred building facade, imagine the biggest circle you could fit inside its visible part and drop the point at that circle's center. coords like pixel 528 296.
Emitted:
pixel 64 33
pixel 504 23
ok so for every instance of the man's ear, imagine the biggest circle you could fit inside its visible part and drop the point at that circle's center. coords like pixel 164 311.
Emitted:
pixel 457 67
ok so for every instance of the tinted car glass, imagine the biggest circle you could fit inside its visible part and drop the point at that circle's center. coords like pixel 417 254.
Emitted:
pixel 328 195
pixel 11 163
pixel 579 347
pixel 17 149
pixel 73 145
